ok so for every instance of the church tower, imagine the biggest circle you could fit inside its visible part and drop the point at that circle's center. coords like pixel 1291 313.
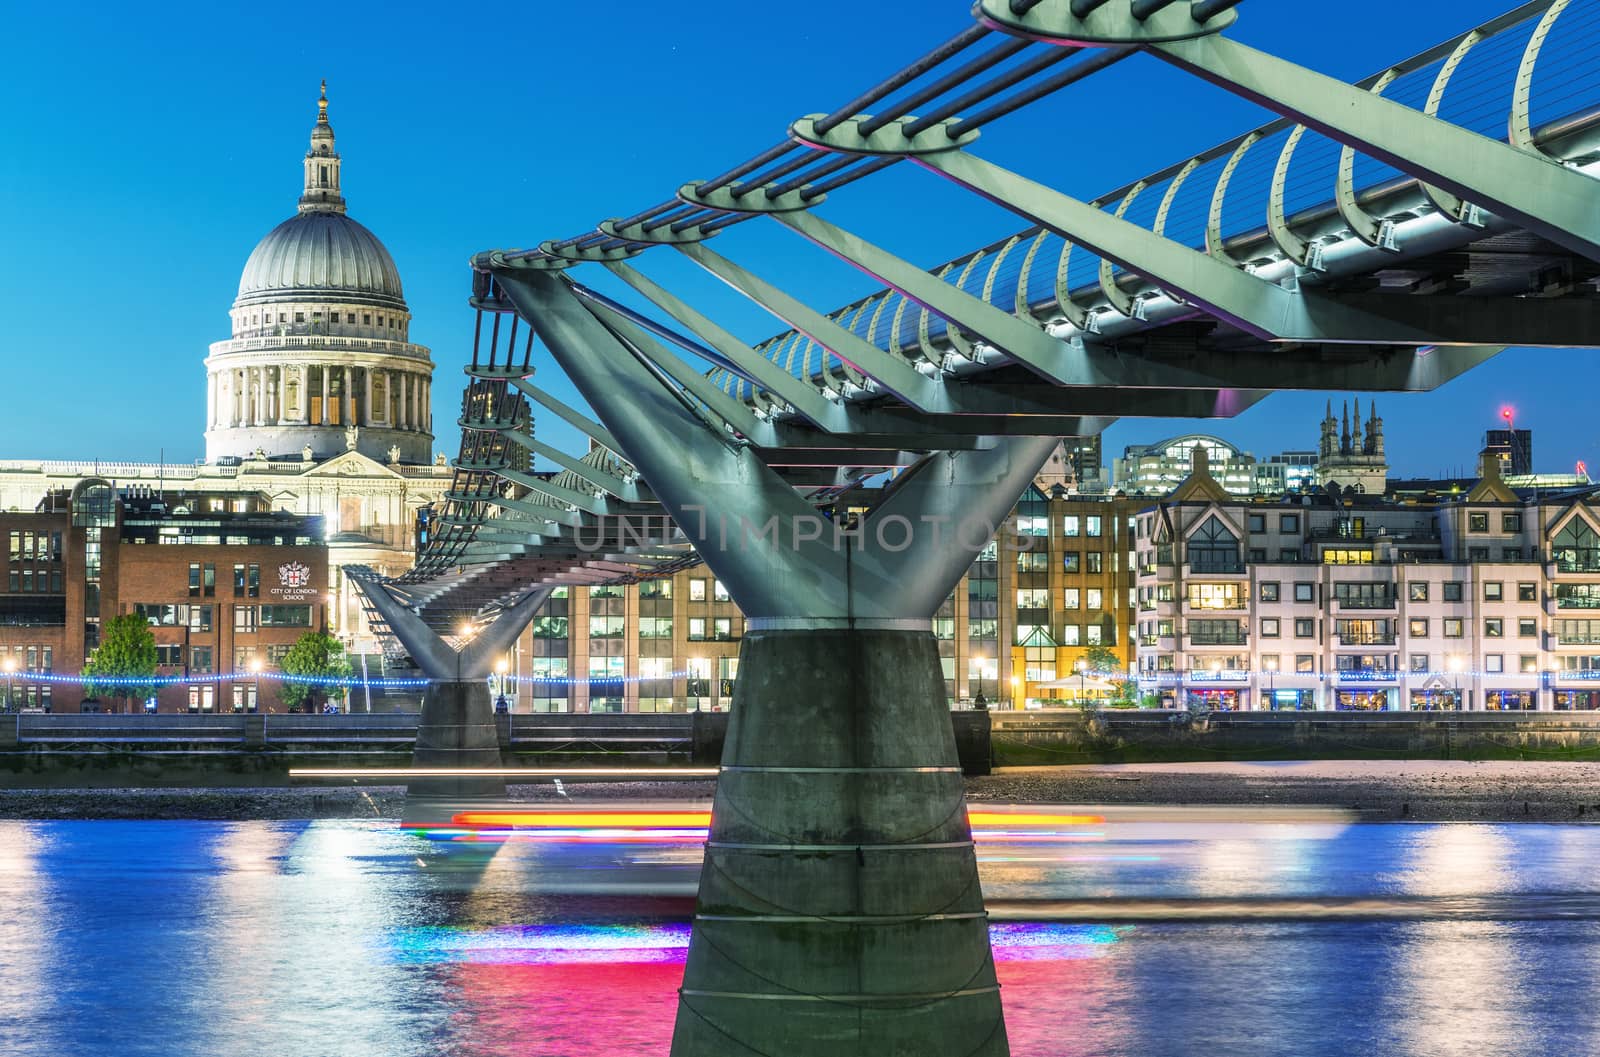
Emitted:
pixel 1352 461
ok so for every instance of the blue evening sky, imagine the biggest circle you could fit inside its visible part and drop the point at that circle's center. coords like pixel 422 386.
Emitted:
pixel 146 148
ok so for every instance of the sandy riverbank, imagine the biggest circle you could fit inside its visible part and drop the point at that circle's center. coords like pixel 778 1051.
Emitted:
pixel 1429 790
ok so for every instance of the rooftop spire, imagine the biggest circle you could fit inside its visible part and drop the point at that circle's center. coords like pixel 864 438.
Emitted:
pixel 321 193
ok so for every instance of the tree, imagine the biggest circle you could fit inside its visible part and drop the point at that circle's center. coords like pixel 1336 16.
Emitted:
pixel 315 655
pixel 1104 663
pixel 127 650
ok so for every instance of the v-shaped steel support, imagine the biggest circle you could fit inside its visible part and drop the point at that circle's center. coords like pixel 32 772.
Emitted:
pixel 779 558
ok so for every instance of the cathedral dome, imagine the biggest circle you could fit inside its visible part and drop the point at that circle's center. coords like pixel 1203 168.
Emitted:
pixel 320 255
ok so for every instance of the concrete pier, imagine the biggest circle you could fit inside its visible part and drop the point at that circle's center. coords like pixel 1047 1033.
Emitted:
pixel 456 729
pixel 839 911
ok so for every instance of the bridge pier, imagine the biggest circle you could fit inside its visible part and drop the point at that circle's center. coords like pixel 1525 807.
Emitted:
pixel 839 910
pixel 456 730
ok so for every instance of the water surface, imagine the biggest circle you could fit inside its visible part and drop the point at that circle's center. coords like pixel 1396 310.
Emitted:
pixel 358 939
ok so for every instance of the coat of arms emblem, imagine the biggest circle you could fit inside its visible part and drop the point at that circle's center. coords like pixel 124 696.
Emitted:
pixel 294 574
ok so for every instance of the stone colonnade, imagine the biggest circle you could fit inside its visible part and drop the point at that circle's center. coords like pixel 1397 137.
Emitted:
pixel 271 395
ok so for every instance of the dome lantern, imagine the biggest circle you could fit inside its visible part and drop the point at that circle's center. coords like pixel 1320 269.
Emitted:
pixel 322 166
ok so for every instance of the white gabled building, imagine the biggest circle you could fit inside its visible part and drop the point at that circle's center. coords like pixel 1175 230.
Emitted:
pixel 1352 601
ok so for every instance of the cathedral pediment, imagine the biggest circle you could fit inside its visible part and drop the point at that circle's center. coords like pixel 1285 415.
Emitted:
pixel 353 464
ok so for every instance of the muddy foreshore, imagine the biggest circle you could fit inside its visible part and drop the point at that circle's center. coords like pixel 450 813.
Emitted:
pixel 1379 791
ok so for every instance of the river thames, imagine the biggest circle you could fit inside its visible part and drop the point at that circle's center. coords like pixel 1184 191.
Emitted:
pixel 1127 933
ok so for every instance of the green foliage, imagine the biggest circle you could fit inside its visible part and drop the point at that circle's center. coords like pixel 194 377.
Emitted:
pixel 318 655
pixel 1150 701
pixel 1102 661
pixel 127 650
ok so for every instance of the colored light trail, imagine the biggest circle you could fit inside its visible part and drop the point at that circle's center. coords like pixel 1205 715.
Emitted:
pixel 668 943
pixel 1018 825
pixel 625 774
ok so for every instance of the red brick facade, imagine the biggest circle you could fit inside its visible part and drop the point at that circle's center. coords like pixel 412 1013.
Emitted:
pixel 222 590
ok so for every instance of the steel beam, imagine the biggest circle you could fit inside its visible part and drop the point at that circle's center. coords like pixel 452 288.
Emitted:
pixel 1558 203
pixel 891 372
pixel 599 478
pixel 1022 340
pixel 589 428
pixel 1256 306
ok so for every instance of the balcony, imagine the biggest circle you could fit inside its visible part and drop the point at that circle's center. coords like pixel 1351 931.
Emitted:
pixel 1214 568
pixel 1575 560
pixel 1217 675
pixel 1368 675
pixel 1366 604
pixel 1214 638
pixel 1366 638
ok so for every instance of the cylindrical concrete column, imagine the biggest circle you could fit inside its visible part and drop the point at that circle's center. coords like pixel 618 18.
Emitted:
pixel 839 911
pixel 327 396
pixel 456 730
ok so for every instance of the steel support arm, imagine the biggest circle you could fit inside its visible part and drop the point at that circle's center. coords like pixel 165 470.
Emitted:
pixel 598 505
pixel 735 413
pixel 432 654
pixel 1560 204
pixel 597 477
pixel 1254 305
pixel 891 372
pixel 1022 340
pixel 798 393
pixel 966 494
pixel 711 489
pixel 593 430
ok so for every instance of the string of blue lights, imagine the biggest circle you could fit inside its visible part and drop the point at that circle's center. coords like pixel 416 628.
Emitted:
pixel 308 680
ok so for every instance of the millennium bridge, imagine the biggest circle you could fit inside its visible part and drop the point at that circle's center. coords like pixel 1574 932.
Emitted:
pixel 1384 236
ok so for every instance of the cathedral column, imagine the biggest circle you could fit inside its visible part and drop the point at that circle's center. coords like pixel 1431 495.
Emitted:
pixel 366 388
pixel 211 400
pixel 348 410
pixel 405 399
pixel 327 396
pixel 249 396
pixel 274 395
pixel 427 406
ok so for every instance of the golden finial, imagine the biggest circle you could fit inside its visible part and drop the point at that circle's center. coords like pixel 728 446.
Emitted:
pixel 322 103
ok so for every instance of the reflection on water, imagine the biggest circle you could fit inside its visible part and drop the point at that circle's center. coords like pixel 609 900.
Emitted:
pixel 1158 936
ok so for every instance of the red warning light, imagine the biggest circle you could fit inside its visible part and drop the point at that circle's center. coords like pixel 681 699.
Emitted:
pixel 1507 413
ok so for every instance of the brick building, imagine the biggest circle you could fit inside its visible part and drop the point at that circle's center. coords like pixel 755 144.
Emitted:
pixel 225 582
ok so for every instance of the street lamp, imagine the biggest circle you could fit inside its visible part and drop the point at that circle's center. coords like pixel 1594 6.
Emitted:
pixel 1272 671
pixel 10 666
pixel 1082 668
pixel 255 667
pixel 501 667
pixel 1455 668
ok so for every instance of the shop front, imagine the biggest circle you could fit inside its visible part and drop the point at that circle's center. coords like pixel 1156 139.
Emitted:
pixel 1577 700
pixel 1363 699
pixel 1511 700
pixel 1214 700
pixel 1436 699
pixel 1288 700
